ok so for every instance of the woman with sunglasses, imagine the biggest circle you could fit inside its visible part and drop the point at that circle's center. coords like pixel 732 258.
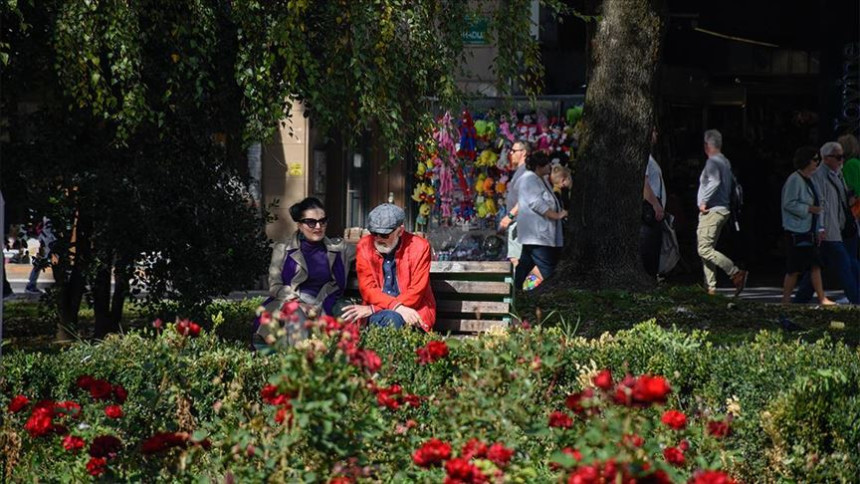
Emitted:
pixel 802 221
pixel 309 268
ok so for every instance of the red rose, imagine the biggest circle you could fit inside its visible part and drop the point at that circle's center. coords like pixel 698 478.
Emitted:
pixel 433 452
pixel 432 352
pixel 272 396
pixel 186 327
pixel 69 408
pixel 499 454
pixel 674 419
pixel 560 420
pixel 367 359
pixel 72 443
pixel 650 389
pixel 574 400
pixel 84 381
pixel 684 445
pixel 603 380
pixel 585 475
pixel 413 401
pixel 674 456
pixel 711 477
pixel 113 411
pixel 163 441
pixel 18 403
pixel 100 389
pixel 119 394
pixel 284 414
pixel 41 422
pixel 719 428
pixel 341 480
pixel 461 470
pixel 632 440
pixel 389 397
pixel 105 446
pixel 97 466
pixel 474 448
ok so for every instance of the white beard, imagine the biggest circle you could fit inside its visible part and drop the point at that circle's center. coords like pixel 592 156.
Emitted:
pixel 386 249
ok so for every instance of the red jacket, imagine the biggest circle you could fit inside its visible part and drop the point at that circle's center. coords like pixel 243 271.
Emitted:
pixel 413 277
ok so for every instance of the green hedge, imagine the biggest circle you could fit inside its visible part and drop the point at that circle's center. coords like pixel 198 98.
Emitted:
pixel 795 411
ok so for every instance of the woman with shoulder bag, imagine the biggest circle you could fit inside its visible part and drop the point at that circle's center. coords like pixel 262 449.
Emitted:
pixel 801 210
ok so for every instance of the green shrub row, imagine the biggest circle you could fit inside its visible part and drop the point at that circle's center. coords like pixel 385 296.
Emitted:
pixel 792 407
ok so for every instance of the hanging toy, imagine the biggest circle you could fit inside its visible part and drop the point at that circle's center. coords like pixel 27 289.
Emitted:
pixel 505 129
pixel 487 159
pixel 467 137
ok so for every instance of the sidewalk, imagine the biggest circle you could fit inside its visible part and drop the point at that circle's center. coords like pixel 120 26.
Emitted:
pixel 21 273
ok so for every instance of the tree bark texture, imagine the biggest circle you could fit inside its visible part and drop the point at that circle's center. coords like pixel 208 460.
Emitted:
pixel 603 234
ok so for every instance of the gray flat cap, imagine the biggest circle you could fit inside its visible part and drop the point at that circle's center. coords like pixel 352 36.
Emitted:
pixel 385 218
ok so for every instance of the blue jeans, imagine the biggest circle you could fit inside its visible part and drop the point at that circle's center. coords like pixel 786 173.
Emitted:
pixel 542 256
pixel 386 318
pixel 840 257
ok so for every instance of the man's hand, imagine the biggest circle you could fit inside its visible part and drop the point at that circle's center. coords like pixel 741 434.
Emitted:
pixel 659 213
pixel 355 312
pixel 410 315
pixel 504 222
pixel 703 208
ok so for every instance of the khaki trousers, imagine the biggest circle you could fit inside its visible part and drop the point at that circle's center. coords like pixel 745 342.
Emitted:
pixel 708 233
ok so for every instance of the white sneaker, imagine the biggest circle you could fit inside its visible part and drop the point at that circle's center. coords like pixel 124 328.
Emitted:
pixel 844 300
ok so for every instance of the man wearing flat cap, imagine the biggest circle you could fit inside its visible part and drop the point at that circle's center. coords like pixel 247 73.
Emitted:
pixel 393 274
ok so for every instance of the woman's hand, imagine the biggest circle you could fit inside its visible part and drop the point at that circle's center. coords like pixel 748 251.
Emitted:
pixel 815 209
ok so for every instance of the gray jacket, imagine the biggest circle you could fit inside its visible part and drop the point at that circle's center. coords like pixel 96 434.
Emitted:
pixel 715 183
pixel 831 189
pixel 797 197
pixel 535 197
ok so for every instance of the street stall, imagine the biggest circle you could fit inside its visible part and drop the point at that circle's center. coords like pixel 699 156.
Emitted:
pixel 463 167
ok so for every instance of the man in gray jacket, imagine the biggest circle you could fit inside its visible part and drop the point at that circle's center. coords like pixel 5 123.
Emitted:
pixel 714 202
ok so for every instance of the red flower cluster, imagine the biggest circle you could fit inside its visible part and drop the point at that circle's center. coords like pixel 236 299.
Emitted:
pixel 73 443
pixel 432 453
pixel 500 455
pixel 674 456
pixel 393 397
pixel 560 420
pixel 366 359
pixel 164 441
pixel 96 466
pixel 113 411
pixel 580 402
pixel 610 471
pixel 102 389
pixel 105 446
pixel 41 421
pixel 432 352
pixel 18 403
pixel 461 471
pixel 186 327
pixel 642 391
pixel 711 477
pixel 674 419
pixel 719 429
pixel 273 396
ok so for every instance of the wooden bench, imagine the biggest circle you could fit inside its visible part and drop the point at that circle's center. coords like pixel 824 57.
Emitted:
pixel 471 296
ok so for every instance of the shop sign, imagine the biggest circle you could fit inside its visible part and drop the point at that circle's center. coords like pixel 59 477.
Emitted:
pixel 476 33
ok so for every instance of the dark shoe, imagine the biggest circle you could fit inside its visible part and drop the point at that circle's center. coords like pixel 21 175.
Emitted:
pixel 740 281
pixel 33 290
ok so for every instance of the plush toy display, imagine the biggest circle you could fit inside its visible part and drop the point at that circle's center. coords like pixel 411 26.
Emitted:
pixel 463 168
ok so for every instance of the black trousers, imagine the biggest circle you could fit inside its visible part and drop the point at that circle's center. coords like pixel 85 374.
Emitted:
pixel 650 243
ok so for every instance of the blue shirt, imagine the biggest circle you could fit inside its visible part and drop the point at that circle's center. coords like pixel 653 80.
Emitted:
pixel 389 272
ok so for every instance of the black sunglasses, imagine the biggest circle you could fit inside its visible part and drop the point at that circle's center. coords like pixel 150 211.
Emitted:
pixel 838 157
pixel 383 236
pixel 312 222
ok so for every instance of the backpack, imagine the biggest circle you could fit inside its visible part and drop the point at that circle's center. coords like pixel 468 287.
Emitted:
pixel 736 202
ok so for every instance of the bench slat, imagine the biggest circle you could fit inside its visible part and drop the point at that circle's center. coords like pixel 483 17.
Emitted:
pixel 481 267
pixel 470 287
pixel 458 287
pixel 466 325
pixel 480 307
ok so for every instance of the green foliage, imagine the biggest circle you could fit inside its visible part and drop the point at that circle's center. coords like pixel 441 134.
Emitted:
pixel 792 407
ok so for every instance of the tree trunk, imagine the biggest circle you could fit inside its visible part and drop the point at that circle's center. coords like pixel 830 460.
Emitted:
pixel 69 277
pixel 619 106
